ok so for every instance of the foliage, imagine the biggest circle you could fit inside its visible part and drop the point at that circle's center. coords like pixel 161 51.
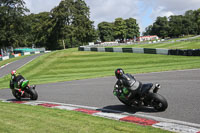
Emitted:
pixel 120 30
pixel 12 23
pixel 106 31
pixel 132 28
pixel 161 27
pixel 176 25
pixel 67 25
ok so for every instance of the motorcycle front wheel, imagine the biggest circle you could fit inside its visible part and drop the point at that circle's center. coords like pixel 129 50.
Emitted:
pixel 125 102
pixel 158 102
pixel 16 94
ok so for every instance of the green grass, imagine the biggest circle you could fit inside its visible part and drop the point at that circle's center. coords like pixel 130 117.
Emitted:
pixel 176 45
pixel 170 44
pixel 18 118
pixel 65 65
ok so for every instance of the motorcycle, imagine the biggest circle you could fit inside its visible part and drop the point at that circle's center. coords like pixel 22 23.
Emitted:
pixel 139 94
pixel 29 91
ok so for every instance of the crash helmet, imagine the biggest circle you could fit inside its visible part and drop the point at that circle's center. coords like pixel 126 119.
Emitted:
pixel 14 73
pixel 118 73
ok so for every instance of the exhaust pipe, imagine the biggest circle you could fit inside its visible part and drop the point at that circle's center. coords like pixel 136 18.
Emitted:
pixel 157 87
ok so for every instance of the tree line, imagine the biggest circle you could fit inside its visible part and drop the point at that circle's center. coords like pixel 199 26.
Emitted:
pixel 66 25
pixel 176 25
pixel 69 25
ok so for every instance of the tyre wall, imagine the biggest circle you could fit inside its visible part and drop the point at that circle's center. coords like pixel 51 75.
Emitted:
pixel 188 52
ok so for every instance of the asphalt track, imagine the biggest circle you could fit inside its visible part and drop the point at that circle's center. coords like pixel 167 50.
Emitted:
pixel 180 88
pixel 16 64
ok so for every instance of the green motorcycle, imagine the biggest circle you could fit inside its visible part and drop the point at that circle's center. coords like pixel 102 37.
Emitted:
pixel 29 91
pixel 142 95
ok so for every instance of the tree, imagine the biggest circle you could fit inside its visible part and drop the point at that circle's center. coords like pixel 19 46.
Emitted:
pixel 189 22
pixel 132 28
pixel 120 29
pixel 39 28
pixel 11 23
pixel 197 19
pixel 176 26
pixel 106 31
pixel 62 16
pixel 84 31
pixel 148 31
pixel 161 27
pixel 71 25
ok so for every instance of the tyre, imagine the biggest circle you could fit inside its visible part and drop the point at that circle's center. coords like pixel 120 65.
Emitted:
pixel 33 94
pixel 16 95
pixel 125 102
pixel 11 84
pixel 158 102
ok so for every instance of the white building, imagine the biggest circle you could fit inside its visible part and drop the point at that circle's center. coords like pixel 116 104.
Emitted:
pixel 147 38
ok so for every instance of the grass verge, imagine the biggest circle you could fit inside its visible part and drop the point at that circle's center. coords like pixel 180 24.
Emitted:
pixel 37 119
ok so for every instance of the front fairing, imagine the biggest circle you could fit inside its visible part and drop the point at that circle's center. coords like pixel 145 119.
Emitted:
pixel 25 83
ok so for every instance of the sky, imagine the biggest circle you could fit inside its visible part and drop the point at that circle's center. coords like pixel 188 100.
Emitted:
pixel 144 11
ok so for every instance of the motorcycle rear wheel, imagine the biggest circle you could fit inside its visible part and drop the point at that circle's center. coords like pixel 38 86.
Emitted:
pixel 158 102
pixel 33 94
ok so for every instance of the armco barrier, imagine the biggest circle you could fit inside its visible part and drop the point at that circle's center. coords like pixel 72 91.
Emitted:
pixel 101 49
pixel 109 49
pixel 127 50
pixel 149 51
pixel 162 51
pixel 93 49
pixel 117 50
pixel 138 50
pixel 189 52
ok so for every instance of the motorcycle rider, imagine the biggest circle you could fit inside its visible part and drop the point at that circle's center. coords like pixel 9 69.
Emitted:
pixel 126 86
pixel 16 82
